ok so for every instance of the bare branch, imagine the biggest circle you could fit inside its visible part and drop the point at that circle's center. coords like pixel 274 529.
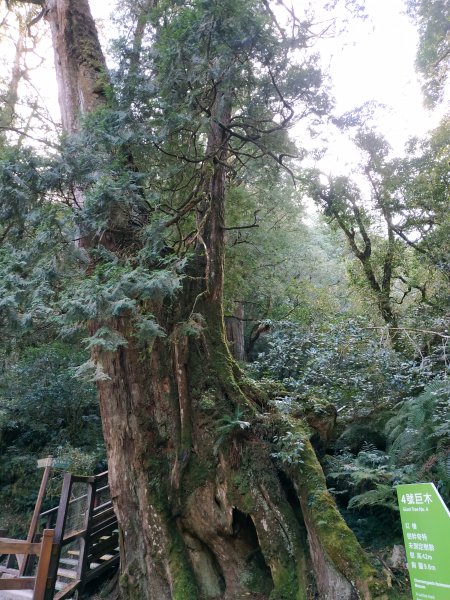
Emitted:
pixel 23 133
pixel 254 224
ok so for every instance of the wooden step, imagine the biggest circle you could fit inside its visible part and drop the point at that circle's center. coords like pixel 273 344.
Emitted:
pixel 69 561
pixel 60 585
pixel 104 547
pixel 67 591
pixel 107 557
pixel 16 595
pixel 67 573
pixel 91 575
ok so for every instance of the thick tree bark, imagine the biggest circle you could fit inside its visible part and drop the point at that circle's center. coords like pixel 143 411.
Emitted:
pixel 203 511
pixel 235 332
pixel 79 62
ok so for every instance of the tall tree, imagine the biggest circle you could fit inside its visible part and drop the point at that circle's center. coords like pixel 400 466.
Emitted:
pixel 342 201
pixel 432 18
pixel 207 506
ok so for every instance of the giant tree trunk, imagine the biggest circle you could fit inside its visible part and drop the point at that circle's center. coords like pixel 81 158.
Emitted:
pixel 204 511
pixel 235 332
pixel 79 62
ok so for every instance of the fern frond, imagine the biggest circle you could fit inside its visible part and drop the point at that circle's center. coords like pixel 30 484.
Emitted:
pixel 383 495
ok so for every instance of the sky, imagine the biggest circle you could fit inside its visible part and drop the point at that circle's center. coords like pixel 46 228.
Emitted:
pixel 373 60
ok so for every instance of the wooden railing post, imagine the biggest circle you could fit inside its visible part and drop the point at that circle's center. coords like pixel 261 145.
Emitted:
pixel 84 541
pixel 44 564
pixel 25 549
pixel 58 537
pixel 28 563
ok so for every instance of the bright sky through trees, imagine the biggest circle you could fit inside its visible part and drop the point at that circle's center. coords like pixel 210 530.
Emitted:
pixel 374 61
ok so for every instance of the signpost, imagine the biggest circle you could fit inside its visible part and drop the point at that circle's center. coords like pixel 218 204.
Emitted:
pixel 56 463
pixel 426 531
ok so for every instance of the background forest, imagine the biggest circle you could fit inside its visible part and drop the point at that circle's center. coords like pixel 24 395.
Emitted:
pixel 336 291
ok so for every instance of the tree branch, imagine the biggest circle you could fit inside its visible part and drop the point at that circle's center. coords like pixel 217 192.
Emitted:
pixel 254 224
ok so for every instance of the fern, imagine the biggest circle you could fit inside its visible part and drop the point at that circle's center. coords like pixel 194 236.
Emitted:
pixel 383 495
pixel 419 434
pixel 230 426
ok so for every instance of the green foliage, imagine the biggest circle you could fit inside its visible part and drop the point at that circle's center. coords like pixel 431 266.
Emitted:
pixel 41 402
pixel 43 410
pixel 137 163
pixel 433 54
pixel 346 363
pixel 355 475
pixel 231 423
pixel 230 426
pixel 364 486
pixel 419 450
pixel 349 365
pixel 397 230
pixel 420 435
pixel 279 266
pixel 289 448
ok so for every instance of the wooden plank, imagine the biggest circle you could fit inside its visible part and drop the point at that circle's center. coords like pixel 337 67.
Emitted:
pixel 59 534
pixel 18 583
pixel 18 547
pixel 67 591
pixel 101 547
pixel 74 535
pixel 44 564
pixel 99 555
pixel 67 573
pixel 102 528
pixel 99 517
pixel 37 509
pixel 7 539
pixel 84 544
pixel 103 567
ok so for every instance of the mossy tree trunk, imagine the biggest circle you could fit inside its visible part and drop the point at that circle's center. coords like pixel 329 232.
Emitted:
pixel 235 332
pixel 204 511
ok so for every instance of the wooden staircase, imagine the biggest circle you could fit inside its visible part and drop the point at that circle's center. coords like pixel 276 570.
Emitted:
pixel 86 534
pixel 85 537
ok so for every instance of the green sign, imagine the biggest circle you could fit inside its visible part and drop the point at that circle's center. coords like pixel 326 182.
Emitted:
pixel 426 530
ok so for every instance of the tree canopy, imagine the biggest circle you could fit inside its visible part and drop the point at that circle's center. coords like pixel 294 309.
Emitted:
pixel 175 209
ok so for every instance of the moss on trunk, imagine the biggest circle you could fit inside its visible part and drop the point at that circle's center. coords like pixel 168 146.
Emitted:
pixel 203 511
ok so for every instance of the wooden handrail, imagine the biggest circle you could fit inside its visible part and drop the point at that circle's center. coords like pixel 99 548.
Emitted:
pixel 10 546
pixel 17 583
pixel 55 509
pixel 89 478
pixel 24 548
pixel 96 536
